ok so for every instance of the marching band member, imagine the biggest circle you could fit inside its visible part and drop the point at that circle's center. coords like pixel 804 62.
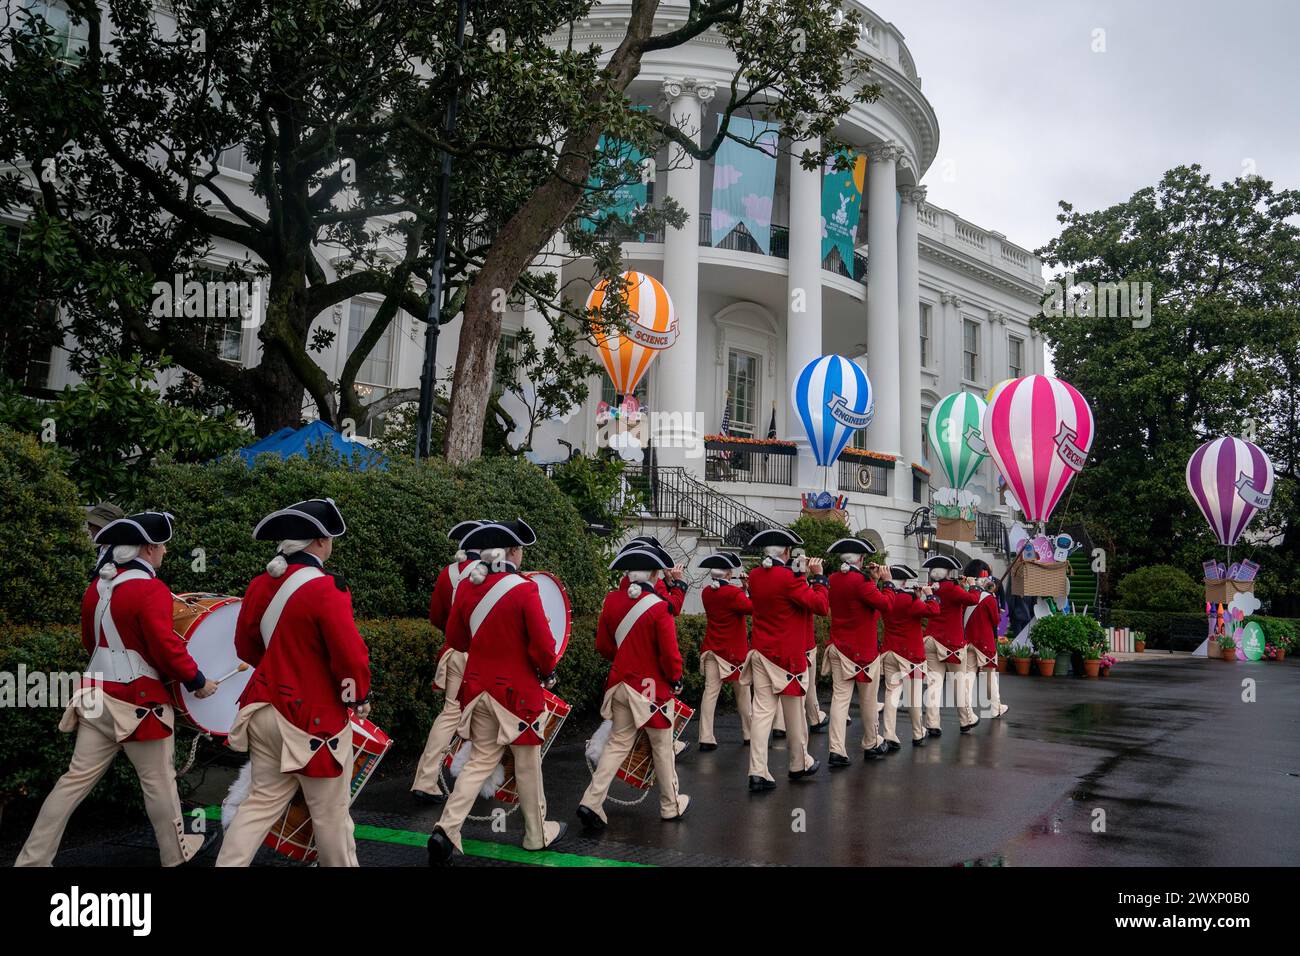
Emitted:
pixel 945 645
pixel 296 628
pixel 451 667
pixel 123 704
pixel 637 634
pixel 497 619
pixel 670 583
pixel 777 663
pixel 903 659
pixel 852 659
pixel 726 642
pixel 981 630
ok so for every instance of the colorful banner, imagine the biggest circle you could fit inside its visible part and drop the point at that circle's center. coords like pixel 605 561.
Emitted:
pixel 841 207
pixel 744 181
pixel 624 200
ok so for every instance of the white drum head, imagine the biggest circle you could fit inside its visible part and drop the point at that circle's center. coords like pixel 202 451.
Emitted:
pixel 212 645
pixel 555 602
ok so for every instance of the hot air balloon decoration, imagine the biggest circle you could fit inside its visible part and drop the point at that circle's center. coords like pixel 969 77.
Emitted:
pixel 1231 480
pixel 652 327
pixel 955 434
pixel 832 397
pixel 1038 431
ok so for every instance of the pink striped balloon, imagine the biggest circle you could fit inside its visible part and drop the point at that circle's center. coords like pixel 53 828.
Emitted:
pixel 1038 431
pixel 1230 479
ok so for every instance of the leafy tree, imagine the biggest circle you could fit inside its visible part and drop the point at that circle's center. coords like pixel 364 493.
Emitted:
pixel 1219 357
pixel 337 108
pixel 1159 587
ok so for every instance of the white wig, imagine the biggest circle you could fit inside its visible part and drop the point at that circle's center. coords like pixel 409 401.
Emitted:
pixel 278 565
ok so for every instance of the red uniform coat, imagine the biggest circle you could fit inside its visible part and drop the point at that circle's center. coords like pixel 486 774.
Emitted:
pixel 903 633
pixel 784 607
pixel 440 603
pixel 946 626
pixel 142 611
pixel 317 664
pixel 726 633
pixel 674 594
pixel 982 626
pixel 512 653
pixel 856 604
pixel 648 660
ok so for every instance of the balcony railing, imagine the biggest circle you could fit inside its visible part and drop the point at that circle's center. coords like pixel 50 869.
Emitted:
pixel 740 461
pixel 867 476
pixel 991 532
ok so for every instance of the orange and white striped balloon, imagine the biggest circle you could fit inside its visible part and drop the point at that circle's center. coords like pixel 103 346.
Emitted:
pixel 651 328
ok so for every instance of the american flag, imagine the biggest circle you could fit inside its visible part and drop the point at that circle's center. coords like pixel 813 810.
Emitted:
pixel 726 425
pixel 771 427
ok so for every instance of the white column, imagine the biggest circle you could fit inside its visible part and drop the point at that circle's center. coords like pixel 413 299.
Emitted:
pixel 909 330
pixel 674 371
pixel 803 329
pixel 885 433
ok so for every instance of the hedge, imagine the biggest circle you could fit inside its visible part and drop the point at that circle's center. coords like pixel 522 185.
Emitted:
pixel 397 521
pixel 1158 587
pixel 1166 630
pixel 45 554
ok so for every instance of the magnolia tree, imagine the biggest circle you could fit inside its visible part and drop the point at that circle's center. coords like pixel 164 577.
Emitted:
pixel 118 119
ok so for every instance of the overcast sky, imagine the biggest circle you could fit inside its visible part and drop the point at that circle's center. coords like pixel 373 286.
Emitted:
pixel 1030 115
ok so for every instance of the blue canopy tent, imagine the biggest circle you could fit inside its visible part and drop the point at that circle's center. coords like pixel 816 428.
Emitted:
pixel 288 442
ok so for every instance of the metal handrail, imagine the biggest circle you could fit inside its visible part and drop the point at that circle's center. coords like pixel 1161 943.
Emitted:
pixel 673 493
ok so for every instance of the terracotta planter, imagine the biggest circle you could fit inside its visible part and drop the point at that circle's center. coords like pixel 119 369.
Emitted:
pixel 1091 668
pixel 1228 653
pixel 1002 664
pixel 1281 653
pixel 1140 646
pixel 1022 666
pixel 1046 666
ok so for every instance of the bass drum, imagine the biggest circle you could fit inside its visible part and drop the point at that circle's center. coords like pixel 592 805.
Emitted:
pixel 555 602
pixel 206 624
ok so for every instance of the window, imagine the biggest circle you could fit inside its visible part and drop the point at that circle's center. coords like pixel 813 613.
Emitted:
pixel 925 435
pixel 69 38
pixel 927 313
pixel 970 366
pixel 377 369
pixel 28 349
pixel 234 160
pixel 742 392
pixel 1016 356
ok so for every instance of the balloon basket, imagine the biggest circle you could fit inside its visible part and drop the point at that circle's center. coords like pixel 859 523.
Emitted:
pixel 1034 579
pixel 827 514
pixel 1222 592
pixel 954 529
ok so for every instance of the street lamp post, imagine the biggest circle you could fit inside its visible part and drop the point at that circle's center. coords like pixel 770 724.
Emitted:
pixel 919 525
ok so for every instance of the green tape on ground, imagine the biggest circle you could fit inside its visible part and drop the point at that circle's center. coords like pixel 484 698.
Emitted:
pixel 505 852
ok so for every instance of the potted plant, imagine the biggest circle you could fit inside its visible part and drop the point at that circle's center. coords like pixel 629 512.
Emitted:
pixel 1004 651
pixel 1092 661
pixel 1139 642
pixel 1068 636
pixel 1227 647
pixel 1045 650
pixel 1107 662
pixel 1270 652
pixel 1021 656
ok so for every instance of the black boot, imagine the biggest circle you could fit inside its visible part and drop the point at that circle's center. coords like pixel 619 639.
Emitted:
pixel 837 761
pixel 919 741
pixel 804 774
pixel 440 848
pixel 967 728
pixel 707 747
pixel 892 746
pixel 934 732
pixel 760 784
pixel 590 819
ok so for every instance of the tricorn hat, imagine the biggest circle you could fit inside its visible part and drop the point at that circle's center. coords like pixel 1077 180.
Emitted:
pixel 722 561
pixel 314 518
pixel 640 541
pixel 147 527
pixel 462 528
pixel 901 572
pixel 499 534
pixel 851 546
pixel 775 537
pixel 639 559
pixel 941 561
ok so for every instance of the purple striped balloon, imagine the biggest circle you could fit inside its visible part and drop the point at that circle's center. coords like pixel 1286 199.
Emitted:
pixel 1230 479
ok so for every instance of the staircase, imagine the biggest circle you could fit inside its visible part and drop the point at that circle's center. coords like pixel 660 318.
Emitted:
pixel 1083 580
pixel 673 493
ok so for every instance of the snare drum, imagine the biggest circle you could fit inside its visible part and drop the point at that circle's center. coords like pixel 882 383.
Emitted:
pixel 206 625
pixel 638 767
pixel 292 834
pixel 554 712
pixel 555 602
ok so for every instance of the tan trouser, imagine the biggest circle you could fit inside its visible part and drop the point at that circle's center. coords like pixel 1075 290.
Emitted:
pixel 671 801
pixel 992 701
pixel 709 703
pixel 767 704
pixel 440 734
pixel 934 694
pixel 812 709
pixel 483 732
pixel 272 790
pixel 841 695
pixel 95 749
pixel 889 674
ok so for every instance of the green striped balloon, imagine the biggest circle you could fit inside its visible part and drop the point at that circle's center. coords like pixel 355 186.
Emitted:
pixel 956 436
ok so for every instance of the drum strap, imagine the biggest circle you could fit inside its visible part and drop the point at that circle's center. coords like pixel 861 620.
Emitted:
pixel 455 574
pixel 965 615
pixel 632 616
pixel 271 616
pixel 113 659
pixel 485 606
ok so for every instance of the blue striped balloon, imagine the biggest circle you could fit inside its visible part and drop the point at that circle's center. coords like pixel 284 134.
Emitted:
pixel 832 397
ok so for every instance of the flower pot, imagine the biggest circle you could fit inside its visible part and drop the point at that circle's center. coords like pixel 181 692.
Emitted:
pixel 1281 653
pixel 1140 646
pixel 1002 664
pixel 1228 653
pixel 1092 669
pixel 1046 666
pixel 1022 666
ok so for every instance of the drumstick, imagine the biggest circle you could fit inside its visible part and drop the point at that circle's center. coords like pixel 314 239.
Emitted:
pixel 242 667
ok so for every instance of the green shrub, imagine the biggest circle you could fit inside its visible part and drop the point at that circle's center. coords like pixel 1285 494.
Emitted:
pixel 1066 633
pixel 1278 631
pixel 397 520
pixel 45 554
pixel 1160 587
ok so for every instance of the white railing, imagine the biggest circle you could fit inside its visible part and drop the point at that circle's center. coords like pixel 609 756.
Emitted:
pixel 991 247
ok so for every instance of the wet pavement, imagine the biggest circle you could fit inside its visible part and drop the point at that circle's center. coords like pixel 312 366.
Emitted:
pixel 1162 763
